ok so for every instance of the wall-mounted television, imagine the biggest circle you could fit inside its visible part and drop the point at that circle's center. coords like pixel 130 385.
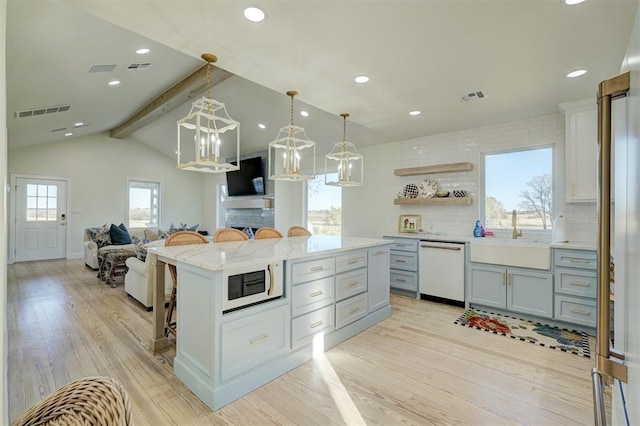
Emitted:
pixel 249 180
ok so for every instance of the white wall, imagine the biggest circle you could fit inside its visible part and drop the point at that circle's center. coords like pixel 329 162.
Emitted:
pixel 290 205
pixel 98 166
pixel 4 412
pixel 369 210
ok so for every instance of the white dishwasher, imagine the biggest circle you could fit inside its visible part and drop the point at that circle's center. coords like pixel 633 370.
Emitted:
pixel 442 270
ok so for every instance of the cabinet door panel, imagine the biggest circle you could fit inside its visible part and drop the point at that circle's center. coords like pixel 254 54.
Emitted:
pixel 487 286
pixel 378 277
pixel 530 292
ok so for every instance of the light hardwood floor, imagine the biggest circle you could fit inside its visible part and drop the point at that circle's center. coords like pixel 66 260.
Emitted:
pixel 416 367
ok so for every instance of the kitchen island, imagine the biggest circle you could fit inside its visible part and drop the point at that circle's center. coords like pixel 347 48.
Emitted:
pixel 333 288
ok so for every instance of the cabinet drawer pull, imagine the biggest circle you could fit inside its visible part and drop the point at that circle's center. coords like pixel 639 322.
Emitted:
pixel 353 311
pixel 380 252
pixel 316 324
pixel 574 260
pixel 401 280
pixel 316 294
pixel 580 312
pixel 401 261
pixel 259 339
pixel 580 283
pixel 317 268
pixel 352 261
pixel 439 247
pixel 400 245
pixel 353 283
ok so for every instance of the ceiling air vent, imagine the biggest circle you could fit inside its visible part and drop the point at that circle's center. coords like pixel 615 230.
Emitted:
pixel 471 96
pixel 138 66
pixel 42 111
pixel 102 68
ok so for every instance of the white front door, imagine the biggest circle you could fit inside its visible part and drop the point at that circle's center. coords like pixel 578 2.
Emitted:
pixel 40 219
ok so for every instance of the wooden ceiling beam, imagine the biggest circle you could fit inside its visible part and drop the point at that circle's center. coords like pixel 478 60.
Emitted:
pixel 181 92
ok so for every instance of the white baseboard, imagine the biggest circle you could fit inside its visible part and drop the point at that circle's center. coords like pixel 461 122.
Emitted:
pixel 78 255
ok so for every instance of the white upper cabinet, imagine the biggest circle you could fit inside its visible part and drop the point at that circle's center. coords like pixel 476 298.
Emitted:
pixel 581 142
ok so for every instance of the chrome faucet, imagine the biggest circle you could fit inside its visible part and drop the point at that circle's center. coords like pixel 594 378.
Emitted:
pixel 515 233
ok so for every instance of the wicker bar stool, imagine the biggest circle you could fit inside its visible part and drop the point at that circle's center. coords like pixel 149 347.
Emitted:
pixel 297 231
pixel 180 238
pixel 86 401
pixel 267 232
pixel 229 234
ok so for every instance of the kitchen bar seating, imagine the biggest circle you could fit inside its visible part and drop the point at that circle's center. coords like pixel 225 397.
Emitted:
pixel 298 231
pixel 229 234
pixel 179 238
pixel 267 232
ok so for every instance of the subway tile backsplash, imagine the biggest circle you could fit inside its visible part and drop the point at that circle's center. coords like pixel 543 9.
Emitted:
pixel 468 145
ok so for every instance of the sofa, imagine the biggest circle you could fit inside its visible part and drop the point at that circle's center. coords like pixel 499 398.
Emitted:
pixel 138 281
pixel 91 246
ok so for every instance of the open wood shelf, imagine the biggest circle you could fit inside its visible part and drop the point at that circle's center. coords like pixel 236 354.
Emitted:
pixel 448 201
pixel 436 168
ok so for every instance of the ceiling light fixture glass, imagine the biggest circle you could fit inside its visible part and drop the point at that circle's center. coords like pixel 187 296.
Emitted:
pixel 262 126
pixel 416 112
pixel 576 73
pixel 361 79
pixel 114 82
pixel 203 129
pixel 292 155
pixel 143 51
pixel 345 161
pixel 254 14
pixel 304 113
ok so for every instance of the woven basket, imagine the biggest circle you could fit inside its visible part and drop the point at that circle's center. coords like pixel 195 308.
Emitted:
pixel 88 401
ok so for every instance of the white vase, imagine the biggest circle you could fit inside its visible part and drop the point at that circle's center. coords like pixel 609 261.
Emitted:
pixel 559 233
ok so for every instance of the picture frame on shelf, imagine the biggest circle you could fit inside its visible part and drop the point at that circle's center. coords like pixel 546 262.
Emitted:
pixel 409 223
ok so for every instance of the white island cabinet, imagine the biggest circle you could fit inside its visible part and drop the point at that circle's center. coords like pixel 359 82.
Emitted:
pixel 334 288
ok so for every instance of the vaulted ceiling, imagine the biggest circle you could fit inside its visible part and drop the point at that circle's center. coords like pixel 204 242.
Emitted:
pixel 419 55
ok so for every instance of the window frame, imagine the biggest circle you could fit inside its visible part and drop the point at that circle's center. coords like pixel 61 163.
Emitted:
pixel 321 177
pixel 128 196
pixel 482 189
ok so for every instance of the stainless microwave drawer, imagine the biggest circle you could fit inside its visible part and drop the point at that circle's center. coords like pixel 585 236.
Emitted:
pixel 312 270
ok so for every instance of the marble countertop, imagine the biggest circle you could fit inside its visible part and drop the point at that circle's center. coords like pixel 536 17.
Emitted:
pixel 573 245
pixel 219 256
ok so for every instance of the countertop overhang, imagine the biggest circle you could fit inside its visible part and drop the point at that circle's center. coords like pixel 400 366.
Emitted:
pixel 236 254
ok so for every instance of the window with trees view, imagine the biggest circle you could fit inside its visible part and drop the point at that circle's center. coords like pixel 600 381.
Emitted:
pixel 324 206
pixel 522 181
pixel 143 204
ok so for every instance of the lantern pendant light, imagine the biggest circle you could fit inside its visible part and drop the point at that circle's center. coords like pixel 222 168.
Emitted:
pixel 345 161
pixel 210 132
pixel 292 155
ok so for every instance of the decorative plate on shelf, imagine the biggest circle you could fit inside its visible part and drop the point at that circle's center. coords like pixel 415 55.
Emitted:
pixel 428 188
pixel 410 191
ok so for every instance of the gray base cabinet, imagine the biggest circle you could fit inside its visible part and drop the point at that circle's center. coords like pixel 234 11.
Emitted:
pixel 514 289
pixel 404 265
pixel 575 286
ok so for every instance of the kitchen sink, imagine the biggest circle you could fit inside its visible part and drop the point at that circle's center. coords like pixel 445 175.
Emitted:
pixel 510 252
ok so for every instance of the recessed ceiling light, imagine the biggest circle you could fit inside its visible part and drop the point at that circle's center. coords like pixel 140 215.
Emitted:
pixel 576 73
pixel 114 82
pixel 262 126
pixel 572 2
pixel 78 124
pixel 254 14
pixel 68 134
pixel 415 112
pixel 304 113
pixel 361 79
pixel 143 51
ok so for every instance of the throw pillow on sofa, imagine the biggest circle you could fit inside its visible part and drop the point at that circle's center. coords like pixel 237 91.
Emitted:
pixel 119 235
pixel 101 235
